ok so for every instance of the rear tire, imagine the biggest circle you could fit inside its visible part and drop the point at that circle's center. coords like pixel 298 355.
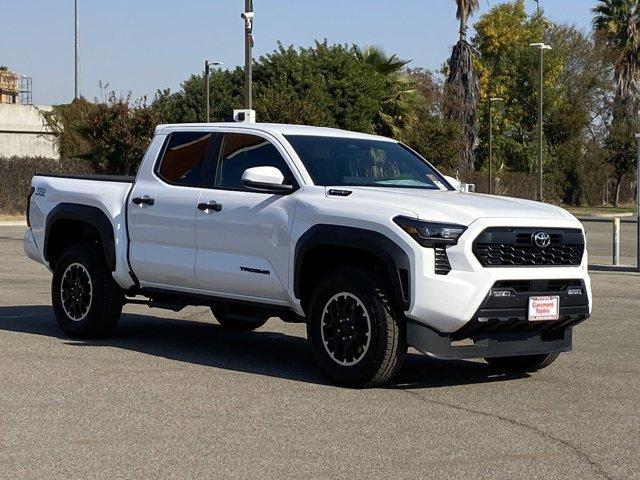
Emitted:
pixel 523 364
pixel 356 334
pixel 87 302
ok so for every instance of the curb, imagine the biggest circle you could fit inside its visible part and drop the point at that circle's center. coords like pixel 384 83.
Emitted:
pixel 600 268
pixel 609 219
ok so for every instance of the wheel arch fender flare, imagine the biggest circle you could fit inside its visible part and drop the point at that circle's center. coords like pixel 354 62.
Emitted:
pixel 394 258
pixel 90 215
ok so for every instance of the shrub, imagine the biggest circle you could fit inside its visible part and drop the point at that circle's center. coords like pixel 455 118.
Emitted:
pixel 16 173
pixel 515 184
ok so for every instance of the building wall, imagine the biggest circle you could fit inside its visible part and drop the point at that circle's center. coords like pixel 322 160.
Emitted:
pixel 23 132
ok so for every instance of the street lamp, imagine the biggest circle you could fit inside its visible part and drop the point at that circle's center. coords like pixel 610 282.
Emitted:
pixel 207 66
pixel 491 100
pixel 541 48
pixel 638 205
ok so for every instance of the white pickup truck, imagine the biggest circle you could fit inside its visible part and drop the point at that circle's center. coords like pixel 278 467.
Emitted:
pixel 355 235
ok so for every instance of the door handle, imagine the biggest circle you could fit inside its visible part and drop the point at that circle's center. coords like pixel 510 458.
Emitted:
pixel 210 205
pixel 143 200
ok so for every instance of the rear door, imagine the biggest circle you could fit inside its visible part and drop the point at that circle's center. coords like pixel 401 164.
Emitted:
pixel 243 246
pixel 162 210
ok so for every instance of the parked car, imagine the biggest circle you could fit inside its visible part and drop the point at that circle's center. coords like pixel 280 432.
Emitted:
pixel 355 235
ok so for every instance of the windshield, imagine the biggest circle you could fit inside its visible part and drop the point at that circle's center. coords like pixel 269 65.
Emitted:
pixel 336 161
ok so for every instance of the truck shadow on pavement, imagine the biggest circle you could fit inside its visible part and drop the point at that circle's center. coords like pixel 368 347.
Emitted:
pixel 261 352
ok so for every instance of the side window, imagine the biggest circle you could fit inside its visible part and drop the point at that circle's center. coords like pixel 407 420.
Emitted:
pixel 241 151
pixel 183 159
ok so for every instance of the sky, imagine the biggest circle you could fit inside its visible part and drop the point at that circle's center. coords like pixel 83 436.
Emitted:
pixel 145 45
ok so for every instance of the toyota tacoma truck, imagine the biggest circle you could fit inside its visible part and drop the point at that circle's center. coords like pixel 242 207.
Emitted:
pixel 354 235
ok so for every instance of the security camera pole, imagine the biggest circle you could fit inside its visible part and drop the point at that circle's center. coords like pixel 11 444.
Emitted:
pixel 207 66
pixel 491 100
pixel 541 48
pixel 77 53
pixel 248 46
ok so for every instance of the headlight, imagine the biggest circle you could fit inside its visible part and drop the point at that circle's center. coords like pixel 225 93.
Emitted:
pixel 429 234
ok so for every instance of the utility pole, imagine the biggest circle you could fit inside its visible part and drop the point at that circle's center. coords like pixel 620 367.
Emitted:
pixel 248 15
pixel 491 100
pixel 541 48
pixel 77 53
pixel 207 68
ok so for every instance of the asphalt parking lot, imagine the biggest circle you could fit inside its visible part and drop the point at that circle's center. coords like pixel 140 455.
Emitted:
pixel 172 396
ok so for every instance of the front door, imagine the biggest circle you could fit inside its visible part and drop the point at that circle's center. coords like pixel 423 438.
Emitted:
pixel 243 243
pixel 162 211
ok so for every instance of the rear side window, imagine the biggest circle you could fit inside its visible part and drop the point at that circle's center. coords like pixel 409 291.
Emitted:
pixel 184 157
pixel 241 151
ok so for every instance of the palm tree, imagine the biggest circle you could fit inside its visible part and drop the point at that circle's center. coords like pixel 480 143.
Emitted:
pixel 462 87
pixel 616 23
pixel 398 110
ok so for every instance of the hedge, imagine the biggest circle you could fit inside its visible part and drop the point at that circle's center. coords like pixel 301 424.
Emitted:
pixel 16 173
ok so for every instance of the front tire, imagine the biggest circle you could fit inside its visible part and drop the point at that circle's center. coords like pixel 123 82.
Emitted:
pixel 87 302
pixel 356 334
pixel 523 364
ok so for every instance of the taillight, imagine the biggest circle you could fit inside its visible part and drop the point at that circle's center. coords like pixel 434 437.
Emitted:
pixel 29 194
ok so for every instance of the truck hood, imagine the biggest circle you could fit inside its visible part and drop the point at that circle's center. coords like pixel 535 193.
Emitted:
pixel 457 207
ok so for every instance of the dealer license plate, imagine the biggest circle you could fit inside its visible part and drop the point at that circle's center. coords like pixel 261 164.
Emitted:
pixel 544 308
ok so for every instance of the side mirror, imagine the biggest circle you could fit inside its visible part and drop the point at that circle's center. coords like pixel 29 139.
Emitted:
pixel 265 179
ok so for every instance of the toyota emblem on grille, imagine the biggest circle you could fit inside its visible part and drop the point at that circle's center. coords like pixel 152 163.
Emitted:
pixel 541 239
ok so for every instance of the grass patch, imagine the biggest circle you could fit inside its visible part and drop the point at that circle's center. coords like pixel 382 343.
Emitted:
pixel 600 210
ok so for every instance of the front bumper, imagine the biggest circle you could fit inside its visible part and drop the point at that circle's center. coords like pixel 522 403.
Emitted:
pixel 500 327
pixel 446 303
pixel 431 343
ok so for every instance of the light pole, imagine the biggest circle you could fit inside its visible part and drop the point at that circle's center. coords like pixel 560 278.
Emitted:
pixel 541 48
pixel 248 15
pixel 207 65
pixel 77 52
pixel 491 100
pixel 638 205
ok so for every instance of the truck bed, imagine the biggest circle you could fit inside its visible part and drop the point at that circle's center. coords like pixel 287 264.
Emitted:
pixel 107 194
pixel 91 176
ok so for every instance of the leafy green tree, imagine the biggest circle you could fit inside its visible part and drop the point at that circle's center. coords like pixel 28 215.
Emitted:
pixel 118 132
pixel 66 122
pixel 508 68
pixel 577 94
pixel 322 85
pixel 330 77
pixel 434 136
pixel 188 104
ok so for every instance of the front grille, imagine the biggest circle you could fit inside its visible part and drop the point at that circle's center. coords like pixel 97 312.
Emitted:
pixel 504 247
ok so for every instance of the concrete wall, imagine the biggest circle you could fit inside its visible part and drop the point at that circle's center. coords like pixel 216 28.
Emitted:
pixel 23 132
